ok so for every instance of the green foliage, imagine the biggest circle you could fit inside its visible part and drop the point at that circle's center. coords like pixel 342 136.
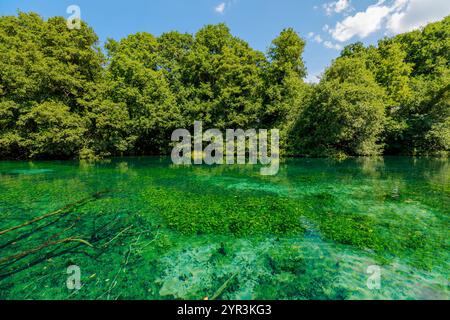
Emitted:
pixel 46 70
pixel 427 116
pixel 422 113
pixel 428 50
pixel 142 89
pixel 285 92
pixel 50 129
pixel 285 54
pixel 392 72
pixel 77 102
pixel 345 113
pixel 222 75
pixel 414 70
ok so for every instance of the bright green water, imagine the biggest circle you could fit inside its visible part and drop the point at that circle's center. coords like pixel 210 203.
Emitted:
pixel 164 232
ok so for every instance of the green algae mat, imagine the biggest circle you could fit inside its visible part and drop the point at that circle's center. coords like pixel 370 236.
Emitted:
pixel 141 228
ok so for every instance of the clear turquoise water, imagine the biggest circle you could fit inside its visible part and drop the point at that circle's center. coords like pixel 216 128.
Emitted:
pixel 151 230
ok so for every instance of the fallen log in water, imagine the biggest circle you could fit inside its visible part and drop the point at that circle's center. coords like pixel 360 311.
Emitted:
pixel 42 246
pixel 59 211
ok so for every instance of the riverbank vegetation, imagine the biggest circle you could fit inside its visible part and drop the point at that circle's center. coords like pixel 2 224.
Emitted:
pixel 63 96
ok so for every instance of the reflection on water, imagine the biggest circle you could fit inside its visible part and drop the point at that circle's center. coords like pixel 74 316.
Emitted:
pixel 152 230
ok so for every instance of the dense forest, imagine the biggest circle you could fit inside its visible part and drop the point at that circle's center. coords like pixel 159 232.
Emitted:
pixel 63 96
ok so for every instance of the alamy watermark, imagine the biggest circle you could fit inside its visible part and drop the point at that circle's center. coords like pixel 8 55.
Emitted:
pixel 73 281
pixel 239 145
pixel 74 20
pixel 374 280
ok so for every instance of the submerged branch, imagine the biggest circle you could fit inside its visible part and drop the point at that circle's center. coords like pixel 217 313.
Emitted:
pixel 223 287
pixel 42 246
pixel 59 211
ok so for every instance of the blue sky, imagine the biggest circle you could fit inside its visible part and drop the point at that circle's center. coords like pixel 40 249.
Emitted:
pixel 326 25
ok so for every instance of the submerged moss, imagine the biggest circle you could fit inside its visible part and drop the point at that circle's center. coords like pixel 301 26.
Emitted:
pixel 193 214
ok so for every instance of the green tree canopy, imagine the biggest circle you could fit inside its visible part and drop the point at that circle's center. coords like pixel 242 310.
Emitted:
pixel 62 97
pixel 345 113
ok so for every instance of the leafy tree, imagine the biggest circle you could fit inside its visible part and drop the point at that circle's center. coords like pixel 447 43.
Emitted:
pixel 51 130
pixel 60 96
pixel 44 65
pixel 285 91
pixel 421 116
pixel 345 114
pixel 137 82
pixel 223 77
pixel 414 70
pixel 427 117
pixel 427 49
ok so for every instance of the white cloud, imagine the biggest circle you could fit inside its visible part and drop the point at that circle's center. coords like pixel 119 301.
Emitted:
pixel 413 14
pixel 331 45
pixel 317 38
pixel 396 16
pixel 220 8
pixel 361 24
pixel 328 44
pixel 336 6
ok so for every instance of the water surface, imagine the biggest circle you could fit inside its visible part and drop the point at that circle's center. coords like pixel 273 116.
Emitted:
pixel 141 228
